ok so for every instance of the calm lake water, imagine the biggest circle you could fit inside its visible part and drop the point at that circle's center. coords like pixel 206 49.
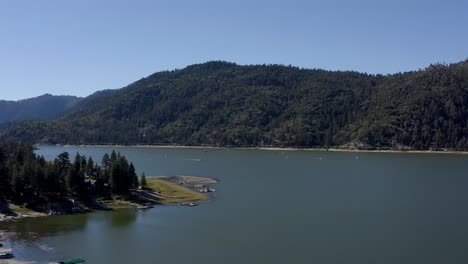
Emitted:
pixel 272 207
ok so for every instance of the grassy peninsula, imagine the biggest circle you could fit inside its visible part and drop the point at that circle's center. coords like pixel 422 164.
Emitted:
pixel 164 190
pixel 30 186
pixel 159 190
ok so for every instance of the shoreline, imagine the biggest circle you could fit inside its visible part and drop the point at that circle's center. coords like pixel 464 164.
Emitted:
pixel 186 192
pixel 170 190
pixel 181 189
pixel 267 148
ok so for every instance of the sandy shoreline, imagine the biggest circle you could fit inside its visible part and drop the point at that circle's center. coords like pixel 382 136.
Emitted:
pixel 370 151
pixel 272 149
pixel 4 218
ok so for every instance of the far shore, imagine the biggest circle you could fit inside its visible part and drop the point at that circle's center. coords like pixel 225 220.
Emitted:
pixel 270 148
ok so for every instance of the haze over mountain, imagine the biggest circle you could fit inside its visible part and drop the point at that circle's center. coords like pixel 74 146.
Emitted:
pixel 224 104
pixel 46 106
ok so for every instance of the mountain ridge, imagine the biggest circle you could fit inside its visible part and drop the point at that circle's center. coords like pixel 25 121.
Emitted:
pixel 225 104
pixel 45 106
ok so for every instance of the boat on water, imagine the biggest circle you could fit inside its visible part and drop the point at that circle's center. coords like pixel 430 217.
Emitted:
pixel 207 190
pixel 73 261
pixel 6 255
pixel 144 207
pixel 190 204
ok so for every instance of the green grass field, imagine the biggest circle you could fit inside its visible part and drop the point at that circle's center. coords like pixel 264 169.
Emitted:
pixel 172 192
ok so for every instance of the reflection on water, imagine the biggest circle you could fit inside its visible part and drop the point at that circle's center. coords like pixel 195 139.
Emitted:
pixel 29 229
pixel 312 207
pixel 122 217
pixel 34 239
pixel 28 237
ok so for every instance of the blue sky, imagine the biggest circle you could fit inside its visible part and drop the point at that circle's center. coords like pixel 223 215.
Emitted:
pixel 78 47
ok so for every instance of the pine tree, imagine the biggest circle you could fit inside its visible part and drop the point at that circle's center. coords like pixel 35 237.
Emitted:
pixel 4 181
pixel 115 176
pixel 17 182
pixel 74 177
pixel 70 180
pixel 63 161
pixel 106 164
pixel 133 176
pixel 98 170
pixel 143 182
pixel 90 167
pixel 113 156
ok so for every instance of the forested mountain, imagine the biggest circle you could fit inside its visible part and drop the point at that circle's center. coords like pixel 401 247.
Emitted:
pixel 224 104
pixel 89 101
pixel 38 108
pixel 46 107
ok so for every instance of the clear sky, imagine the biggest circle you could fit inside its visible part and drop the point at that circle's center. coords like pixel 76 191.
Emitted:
pixel 78 47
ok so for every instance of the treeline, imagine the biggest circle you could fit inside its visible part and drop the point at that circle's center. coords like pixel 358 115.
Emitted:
pixel 23 174
pixel 224 104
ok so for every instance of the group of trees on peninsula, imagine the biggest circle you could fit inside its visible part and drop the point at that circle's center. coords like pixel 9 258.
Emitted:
pixel 224 104
pixel 24 175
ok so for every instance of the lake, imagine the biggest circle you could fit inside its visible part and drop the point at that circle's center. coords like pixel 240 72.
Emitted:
pixel 272 207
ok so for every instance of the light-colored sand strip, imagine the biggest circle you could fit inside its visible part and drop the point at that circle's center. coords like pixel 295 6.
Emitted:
pixel 198 180
pixel 274 149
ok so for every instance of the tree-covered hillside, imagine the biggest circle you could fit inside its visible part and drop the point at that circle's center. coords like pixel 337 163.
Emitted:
pixel 224 104
pixel 42 107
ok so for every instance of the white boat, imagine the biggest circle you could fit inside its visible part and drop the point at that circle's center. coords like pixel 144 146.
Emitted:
pixel 190 204
pixel 6 255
